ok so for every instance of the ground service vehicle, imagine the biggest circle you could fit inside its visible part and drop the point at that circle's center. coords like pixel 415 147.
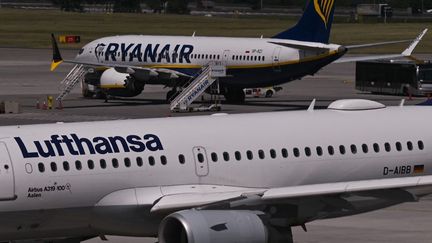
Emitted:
pixel 394 77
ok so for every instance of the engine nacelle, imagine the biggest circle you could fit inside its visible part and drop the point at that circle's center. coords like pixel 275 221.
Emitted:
pixel 111 79
pixel 213 226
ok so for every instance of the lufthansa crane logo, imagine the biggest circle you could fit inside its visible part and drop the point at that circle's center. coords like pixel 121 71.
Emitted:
pixel 324 8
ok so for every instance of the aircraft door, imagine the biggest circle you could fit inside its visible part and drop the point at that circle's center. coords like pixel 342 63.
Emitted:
pixel 275 59
pixel 225 57
pixel 7 183
pixel 201 162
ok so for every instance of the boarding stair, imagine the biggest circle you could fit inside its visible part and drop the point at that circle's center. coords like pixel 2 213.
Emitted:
pixel 197 85
pixel 75 76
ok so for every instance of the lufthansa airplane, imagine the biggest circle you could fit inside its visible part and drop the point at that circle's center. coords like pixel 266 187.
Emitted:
pixel 123 65
pixel 178 180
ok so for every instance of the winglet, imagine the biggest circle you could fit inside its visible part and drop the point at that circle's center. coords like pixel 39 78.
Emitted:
pixel 414 44
pixel 311 106
pixel 57 58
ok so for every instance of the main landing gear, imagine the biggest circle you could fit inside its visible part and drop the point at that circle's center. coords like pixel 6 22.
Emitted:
pixel 234 95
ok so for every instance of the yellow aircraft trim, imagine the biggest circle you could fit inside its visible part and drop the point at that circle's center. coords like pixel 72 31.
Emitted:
pixel 55 64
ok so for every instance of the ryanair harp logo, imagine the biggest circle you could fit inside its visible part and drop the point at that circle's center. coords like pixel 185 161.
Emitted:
pixel 323 9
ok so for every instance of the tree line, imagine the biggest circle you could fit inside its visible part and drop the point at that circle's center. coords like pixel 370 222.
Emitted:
pixel 180 6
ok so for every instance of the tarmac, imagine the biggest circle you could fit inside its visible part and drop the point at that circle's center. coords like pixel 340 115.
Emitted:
pixel 25 78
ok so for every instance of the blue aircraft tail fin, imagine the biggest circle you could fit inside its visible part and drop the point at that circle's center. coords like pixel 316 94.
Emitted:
pixel 314 25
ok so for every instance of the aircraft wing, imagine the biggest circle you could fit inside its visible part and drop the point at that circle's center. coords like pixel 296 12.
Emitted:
pixel 391 189
pixel 406 53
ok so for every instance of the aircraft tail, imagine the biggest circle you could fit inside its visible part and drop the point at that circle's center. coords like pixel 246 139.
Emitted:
pixel 314 25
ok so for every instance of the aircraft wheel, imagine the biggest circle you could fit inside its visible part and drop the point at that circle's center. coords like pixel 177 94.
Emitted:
pixel 269 94
pixel 86 93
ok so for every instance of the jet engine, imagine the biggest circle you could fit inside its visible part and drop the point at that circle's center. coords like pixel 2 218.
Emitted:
pixel 120 84
pixel 110 78
pixel 213 226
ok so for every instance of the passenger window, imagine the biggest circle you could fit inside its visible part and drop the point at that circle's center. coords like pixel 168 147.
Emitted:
pixel 66 166
pixel 353 149
pixel 214 157
pixel 115 163
pixel 164 159
pixel 272 153
pixel 330 150
pixel 261 154
pixel 102 163
pixel 284 152
pixel 342 149
pixel 181 158
pixel 249 155
pixel 319 151
pixel 376 148
pixel 226 156
pixel 410 146
pixel 139 161
pixel 308 151
pixel 398 146
pixel 41 167
pixel 78 165
pixel 387 147
pixel 420 145
pixel 151 160
pixel 90 164
pixel 296 152
pixel 365 148
pixel 127 162
pixel 53 167
pixel 237 155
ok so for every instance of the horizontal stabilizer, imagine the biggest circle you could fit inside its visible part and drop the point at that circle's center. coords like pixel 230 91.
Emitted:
pixel 302 46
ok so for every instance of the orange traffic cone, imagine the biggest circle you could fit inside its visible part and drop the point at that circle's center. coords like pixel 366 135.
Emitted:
pixel 44 106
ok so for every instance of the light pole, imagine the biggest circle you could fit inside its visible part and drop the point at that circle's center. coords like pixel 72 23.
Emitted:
pixel 421 6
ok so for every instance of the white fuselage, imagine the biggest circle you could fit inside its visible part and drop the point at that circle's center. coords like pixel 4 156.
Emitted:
pixel 263 150
pixel 158 51
pixel 250 62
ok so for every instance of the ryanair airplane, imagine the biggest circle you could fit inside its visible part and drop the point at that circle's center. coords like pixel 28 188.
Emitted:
pixel 178 180
pixel 123 65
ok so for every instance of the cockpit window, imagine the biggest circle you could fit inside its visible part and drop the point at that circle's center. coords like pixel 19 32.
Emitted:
pixel 81 51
